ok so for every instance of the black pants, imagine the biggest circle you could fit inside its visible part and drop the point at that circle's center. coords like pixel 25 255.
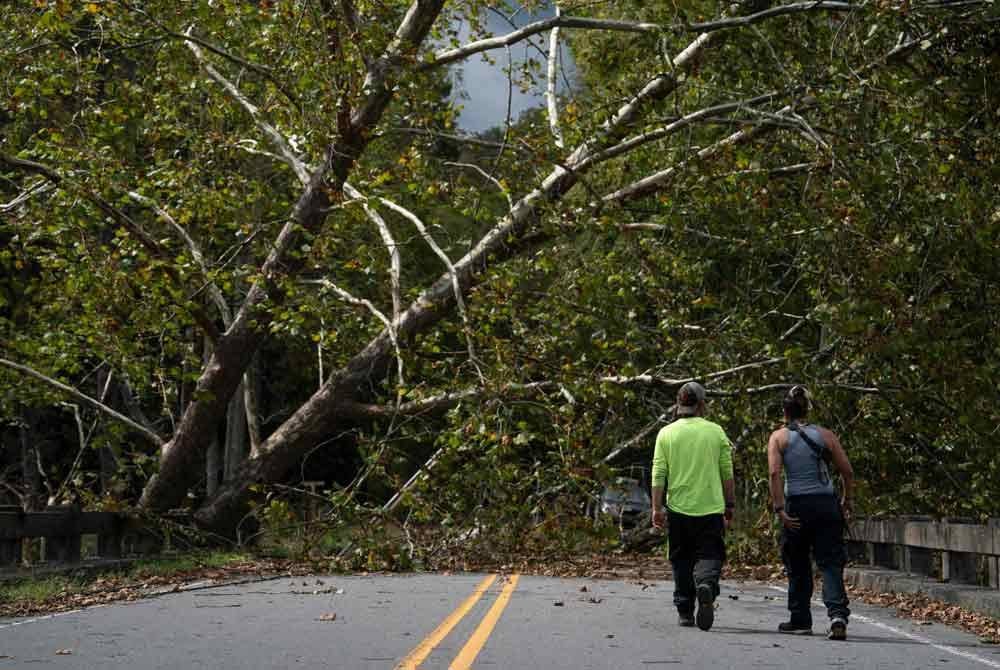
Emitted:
pixel 697 552
pixel 821 535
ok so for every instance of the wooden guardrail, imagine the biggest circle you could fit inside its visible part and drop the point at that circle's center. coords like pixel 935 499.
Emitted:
pixel 63 529
pixel 952 550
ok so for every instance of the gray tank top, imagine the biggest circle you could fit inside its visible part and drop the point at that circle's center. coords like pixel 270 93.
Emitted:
pixel 802 477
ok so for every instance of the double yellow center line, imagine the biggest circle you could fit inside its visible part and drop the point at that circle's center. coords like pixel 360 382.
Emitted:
pixel 478 639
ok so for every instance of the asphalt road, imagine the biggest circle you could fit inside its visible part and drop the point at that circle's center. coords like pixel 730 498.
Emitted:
pixel 467 620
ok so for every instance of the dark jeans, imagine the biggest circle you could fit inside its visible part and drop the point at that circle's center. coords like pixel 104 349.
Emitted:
pixel 697 551
pixel 822 535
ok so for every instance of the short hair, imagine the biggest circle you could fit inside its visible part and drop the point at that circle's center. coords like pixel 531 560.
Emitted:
pixel 797 402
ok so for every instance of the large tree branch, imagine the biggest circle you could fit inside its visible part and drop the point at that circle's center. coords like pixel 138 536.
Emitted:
pixel 84 398
pixel 324 187
pixel 780 10
pixel 447 56
pixel 560 21
pixel 445 401
pixel 322 412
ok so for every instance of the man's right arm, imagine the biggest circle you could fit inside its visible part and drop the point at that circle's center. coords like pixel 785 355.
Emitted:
pixel 659 479
pixel 775 464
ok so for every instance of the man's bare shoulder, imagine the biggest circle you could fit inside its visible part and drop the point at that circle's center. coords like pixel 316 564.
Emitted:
pixel 829 437
pixel 779 437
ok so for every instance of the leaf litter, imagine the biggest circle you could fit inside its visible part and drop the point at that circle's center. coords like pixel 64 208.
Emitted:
pixel 117 587
pixel 926 612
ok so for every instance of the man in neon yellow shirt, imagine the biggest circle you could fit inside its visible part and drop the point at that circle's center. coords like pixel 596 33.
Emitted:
pixel 694 457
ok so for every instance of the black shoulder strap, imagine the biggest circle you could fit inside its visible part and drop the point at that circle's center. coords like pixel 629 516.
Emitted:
pixel 822 452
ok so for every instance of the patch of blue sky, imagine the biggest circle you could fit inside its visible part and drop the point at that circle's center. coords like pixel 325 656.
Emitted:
pixel 482 87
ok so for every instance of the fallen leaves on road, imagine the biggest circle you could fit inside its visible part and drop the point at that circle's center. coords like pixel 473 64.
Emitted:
pixel 327 617
pixel 64 652
pixel 126 588
pixel 925 611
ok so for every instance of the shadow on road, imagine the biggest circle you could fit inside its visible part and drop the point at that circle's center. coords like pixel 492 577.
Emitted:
pixel 820 637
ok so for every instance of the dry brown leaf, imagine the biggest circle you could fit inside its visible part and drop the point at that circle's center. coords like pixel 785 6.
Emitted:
pixel 327 617
pixel 64 652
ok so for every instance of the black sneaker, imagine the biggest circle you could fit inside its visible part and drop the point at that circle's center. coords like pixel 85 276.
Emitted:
pixel 794 628
pixel 706 607
pixel 838 629
pixel 685 620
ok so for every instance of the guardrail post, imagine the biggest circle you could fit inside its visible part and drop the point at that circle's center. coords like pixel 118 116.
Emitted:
pixel 140 540
pixel 108 528
pixel 994 560
pixel 961 567
pixel 958 567
pixel 63 544
pixel 857 551
pixel 884 555
pixel 918 561
pixel 10 535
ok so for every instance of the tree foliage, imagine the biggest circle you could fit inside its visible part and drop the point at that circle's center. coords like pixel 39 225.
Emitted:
pixel 255 200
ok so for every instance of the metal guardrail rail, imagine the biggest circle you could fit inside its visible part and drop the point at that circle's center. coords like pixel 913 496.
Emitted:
pixel 63 529
pixel 959 551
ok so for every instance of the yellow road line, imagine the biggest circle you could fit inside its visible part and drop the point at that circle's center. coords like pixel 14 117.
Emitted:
pixel 423 650
pixel 475 644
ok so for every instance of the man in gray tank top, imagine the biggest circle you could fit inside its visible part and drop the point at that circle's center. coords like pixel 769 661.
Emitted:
pixel 812 516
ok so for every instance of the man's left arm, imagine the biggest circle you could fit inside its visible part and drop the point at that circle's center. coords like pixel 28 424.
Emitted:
pixel 728 481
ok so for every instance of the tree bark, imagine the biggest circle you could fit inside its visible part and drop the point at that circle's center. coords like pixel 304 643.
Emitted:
pixel 213 466
pixel 235 349
pixel 236 450
pixel 251 400
pixel 32 478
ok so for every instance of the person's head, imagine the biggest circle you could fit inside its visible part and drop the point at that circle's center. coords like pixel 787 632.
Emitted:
pixel 690 400
pixel 796 403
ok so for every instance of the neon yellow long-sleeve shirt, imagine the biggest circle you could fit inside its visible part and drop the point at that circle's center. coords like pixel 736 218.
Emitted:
pixel 694 456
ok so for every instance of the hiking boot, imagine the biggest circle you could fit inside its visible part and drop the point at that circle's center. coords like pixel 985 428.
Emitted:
pixel 685 619
pixel 838 629
pixel 794 628
pixel 706 606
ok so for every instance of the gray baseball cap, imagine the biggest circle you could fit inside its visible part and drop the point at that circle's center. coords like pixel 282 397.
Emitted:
pixel 688 398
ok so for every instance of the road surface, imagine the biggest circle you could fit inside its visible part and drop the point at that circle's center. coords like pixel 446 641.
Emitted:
pixel 439 621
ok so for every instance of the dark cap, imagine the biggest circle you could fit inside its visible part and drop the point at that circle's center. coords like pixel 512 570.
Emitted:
pixel 688 398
